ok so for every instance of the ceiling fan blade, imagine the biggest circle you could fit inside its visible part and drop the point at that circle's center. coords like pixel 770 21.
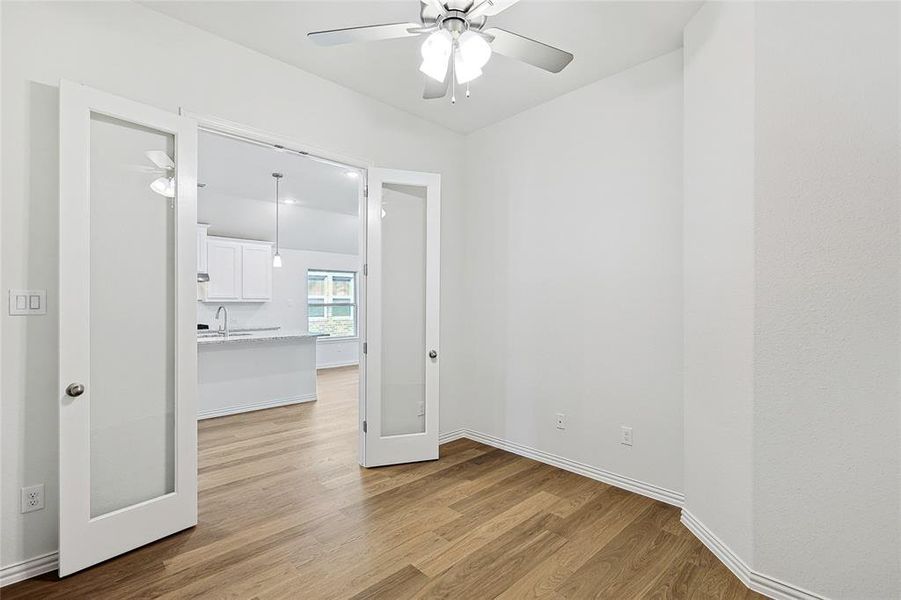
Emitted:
pixel 436 5
pixel 435 89
pixel 528 50
pixel 370 33
pixel 160 159
pixel 488 8
pixel 418 30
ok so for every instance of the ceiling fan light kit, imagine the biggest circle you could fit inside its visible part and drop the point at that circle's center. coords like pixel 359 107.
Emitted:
pixel 456 41
pixel 436 52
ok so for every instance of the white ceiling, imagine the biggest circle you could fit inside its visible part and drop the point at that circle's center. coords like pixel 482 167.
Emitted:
pixel 238 196
pixel 605 37
pixel 231 167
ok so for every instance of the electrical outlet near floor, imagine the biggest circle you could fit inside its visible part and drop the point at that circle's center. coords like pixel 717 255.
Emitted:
pixel 560 422
pixel 626 436
pixel 32 498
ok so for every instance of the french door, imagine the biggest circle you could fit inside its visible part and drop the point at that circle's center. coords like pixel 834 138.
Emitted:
pixel 128 353
pixel 401 362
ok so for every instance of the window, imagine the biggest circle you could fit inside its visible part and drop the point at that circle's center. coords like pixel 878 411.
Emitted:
pixel 332 303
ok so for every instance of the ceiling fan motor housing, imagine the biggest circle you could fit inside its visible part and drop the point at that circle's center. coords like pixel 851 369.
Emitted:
pixel 455 22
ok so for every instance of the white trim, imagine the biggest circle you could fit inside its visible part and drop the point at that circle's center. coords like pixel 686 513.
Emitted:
pixel 226 127
pixel 242 408
pixel 451 436
pixel 723 552
pixel 28 568
pixel 779 590
pixel 621 481
pixel 331 339
pixel 335 365
pixel 758 582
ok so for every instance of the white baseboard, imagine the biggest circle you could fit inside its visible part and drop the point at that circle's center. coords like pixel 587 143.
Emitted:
pixel 335 365
pixel 242 408
pixel 729 558
pixel 450 436
pixel 27 569
pixel 758 582
pixel 627 483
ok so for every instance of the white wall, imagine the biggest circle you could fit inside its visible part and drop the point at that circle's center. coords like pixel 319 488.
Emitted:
pixel 574 274
pixel 140 54
pixel 792 228
pixel 826 407
pixel 288 307
pixel 300 227
pixel 719 269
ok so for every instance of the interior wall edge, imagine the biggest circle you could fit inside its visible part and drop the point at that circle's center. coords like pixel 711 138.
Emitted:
pixel 753 580
pixel 629 484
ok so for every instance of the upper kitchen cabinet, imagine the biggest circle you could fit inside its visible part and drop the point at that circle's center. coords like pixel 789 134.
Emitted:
pixel 201 247
pixel 240 270
pixel 256 270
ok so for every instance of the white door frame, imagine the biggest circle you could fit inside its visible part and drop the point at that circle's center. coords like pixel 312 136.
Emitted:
pixel 83 540
pixel 414 446
pixel 261 136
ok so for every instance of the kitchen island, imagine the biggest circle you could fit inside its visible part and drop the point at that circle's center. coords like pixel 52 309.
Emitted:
pixel 254 369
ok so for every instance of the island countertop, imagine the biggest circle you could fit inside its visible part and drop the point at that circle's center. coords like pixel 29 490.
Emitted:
pixel 255 335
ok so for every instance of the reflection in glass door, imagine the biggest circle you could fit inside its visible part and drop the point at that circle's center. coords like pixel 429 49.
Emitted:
pixel 132 314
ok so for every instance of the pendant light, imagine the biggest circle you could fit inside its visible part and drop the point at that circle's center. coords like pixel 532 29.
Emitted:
pixel 276 258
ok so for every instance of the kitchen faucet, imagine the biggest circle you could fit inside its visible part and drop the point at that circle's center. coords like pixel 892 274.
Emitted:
pixel 218 311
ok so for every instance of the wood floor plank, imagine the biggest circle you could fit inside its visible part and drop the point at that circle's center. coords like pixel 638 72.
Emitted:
pixel 286 512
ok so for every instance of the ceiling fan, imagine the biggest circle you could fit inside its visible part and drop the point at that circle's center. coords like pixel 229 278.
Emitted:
pixel 457 42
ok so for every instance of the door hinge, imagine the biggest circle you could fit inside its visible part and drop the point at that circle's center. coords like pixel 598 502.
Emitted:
pixel 365 269
pixel 364 426
pixel 365 347
pixel 366 192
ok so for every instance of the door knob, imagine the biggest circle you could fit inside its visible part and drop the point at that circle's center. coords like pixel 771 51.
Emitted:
pixel 74 390
pixel 433 354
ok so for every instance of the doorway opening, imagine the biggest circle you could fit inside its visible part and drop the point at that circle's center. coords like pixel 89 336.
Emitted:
pixel 281 287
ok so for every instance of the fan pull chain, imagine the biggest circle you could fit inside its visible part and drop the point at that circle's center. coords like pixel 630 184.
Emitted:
pixel 453 74
pixel 467 89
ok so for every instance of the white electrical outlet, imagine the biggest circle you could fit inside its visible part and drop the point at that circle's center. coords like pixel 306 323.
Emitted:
pixel 626 439
pixel 32 498
pixel 560 422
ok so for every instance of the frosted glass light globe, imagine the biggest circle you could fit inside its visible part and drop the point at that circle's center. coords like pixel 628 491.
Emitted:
pixel 436 51
pixel 474 49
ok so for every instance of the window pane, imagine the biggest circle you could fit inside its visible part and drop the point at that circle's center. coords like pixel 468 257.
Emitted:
pixel 316 285
pixel 341 311
pixel 342 287
pixel 340 321
pixel 329 288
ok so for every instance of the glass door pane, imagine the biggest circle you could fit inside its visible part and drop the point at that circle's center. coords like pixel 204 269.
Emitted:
pixel 403 302
pixel 132 314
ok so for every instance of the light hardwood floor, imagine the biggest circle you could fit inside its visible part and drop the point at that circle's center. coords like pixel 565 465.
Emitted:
pixel 286 512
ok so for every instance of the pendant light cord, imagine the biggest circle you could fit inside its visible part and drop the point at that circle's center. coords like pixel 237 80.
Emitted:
pixel 276 215
pixel 277 177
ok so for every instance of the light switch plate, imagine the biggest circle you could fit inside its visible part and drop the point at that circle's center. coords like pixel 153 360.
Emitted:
pixel 27 302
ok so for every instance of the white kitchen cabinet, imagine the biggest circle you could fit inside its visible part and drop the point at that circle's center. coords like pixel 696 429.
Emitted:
pixel 224 267
pixel 202 264
pixel 240 270
pixel 256 268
